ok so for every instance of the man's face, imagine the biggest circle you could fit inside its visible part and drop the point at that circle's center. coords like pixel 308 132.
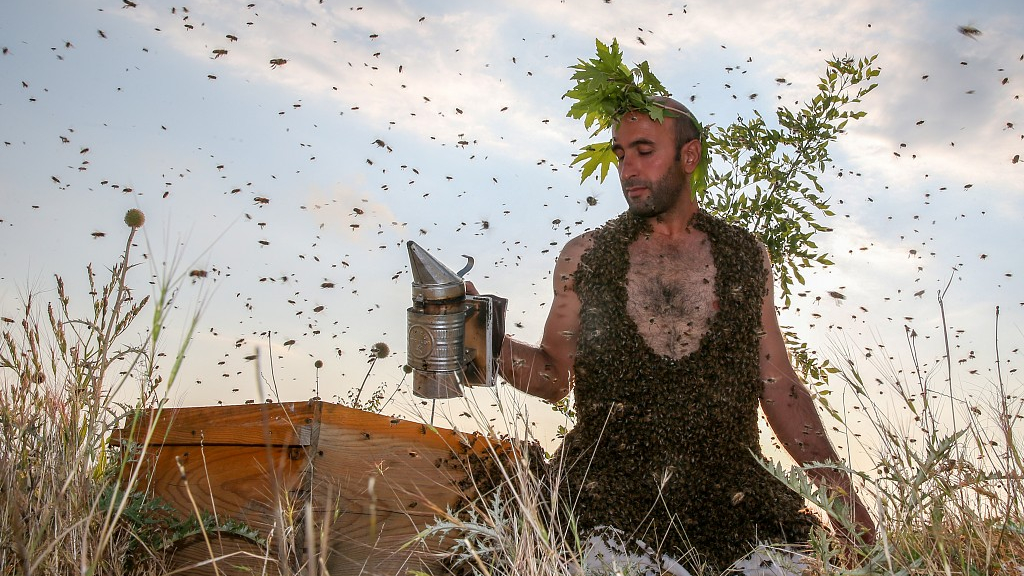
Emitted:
pixel 652 177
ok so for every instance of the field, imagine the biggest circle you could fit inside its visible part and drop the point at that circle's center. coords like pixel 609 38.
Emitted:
pixel 948 499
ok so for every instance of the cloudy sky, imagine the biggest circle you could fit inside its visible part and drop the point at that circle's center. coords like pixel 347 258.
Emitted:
pixel 289 149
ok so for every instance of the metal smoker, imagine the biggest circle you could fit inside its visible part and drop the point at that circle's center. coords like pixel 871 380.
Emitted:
pixel 450 332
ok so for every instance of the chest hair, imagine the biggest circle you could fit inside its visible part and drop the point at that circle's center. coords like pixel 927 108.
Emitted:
pixel 671 292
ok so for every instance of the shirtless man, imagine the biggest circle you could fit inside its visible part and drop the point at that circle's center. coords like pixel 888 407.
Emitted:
pixel 663 321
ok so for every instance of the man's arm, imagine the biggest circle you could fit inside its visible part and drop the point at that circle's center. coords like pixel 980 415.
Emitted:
pixel 790 411
pixel 546 370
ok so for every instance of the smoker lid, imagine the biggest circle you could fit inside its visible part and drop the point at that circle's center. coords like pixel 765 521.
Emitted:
pixel 432 280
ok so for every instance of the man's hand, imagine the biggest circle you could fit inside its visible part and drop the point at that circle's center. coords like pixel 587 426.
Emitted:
pixel 498 308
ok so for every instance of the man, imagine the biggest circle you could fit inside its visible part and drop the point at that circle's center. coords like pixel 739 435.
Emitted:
pixel 663 322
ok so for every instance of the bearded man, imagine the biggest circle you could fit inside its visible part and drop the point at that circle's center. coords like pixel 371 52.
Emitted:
pixel 664 325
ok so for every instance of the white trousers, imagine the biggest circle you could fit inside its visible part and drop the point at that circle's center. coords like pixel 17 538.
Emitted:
pixel 606 555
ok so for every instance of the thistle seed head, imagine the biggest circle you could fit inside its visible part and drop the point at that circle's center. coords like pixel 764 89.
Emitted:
pixel 134 218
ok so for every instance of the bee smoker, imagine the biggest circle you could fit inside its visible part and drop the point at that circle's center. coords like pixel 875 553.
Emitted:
pixel 450 332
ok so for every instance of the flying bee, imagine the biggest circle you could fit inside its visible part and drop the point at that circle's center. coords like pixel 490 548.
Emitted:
pixel 969 31
pixel 218 53
pixel 274 63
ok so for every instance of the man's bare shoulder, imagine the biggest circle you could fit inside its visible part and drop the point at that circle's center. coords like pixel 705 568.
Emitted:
pixel 575 248
pixel 568 260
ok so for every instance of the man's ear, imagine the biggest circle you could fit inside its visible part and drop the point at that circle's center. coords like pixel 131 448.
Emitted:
pixel 691 155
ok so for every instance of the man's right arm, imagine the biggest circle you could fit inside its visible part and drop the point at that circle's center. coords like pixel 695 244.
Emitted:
pixel 546 370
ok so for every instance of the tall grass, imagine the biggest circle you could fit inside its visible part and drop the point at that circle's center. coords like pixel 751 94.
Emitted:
pixel 948 483
pixel 70 501
pixel 946 486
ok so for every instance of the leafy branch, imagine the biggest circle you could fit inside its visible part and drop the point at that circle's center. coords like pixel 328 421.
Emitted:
pixel 770 181
pixel 605 90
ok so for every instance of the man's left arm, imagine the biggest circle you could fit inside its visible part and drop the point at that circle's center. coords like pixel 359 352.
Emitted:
pixel 790 411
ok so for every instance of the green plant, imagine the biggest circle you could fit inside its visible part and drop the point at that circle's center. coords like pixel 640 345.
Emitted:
pixel 769 180
pixel 375 403
pixel 71 501
pixel 950 498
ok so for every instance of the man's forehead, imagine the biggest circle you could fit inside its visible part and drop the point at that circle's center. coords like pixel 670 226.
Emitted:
pixel 639 121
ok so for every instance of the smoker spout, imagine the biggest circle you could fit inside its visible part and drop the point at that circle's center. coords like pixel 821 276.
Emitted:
pixel 432 281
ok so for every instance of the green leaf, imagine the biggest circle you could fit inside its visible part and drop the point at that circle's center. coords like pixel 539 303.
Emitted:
pixel 606 89
pixel 594 156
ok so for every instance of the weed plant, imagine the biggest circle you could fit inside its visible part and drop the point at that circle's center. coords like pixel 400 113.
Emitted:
pixel 948 484
pixel 947 487
pixel 72 501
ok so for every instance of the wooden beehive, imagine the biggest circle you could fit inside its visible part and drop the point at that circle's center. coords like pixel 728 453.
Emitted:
pixel 370 482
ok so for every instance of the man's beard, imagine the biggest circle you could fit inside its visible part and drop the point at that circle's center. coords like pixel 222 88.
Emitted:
pixel 662 194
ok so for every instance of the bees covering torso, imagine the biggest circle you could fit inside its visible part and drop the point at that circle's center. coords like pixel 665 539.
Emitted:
pixel 667 390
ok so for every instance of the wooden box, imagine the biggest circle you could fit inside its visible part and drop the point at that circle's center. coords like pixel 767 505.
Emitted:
pixel 351 489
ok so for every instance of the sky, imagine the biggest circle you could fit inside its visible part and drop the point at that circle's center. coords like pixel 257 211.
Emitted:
pixel 290 149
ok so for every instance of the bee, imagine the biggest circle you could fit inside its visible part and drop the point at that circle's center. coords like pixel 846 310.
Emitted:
pixel 218 53
pixel 969 31
pixel 274 63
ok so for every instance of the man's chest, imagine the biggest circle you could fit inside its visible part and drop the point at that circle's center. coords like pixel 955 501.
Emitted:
pixel 671 294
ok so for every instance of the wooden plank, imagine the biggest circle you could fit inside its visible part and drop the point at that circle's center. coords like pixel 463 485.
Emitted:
pixel 373 482
pixel 288 424
pixel 232 481
pixel 231 555
pixel 386 479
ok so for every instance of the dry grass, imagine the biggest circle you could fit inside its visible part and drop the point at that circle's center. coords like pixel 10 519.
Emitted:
pixel 64 505
pixel 947 485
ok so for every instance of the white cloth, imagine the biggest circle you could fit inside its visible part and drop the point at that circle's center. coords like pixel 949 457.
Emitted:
pixel 605 553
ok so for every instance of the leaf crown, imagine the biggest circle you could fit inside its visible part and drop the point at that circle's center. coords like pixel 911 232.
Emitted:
pixel 605 90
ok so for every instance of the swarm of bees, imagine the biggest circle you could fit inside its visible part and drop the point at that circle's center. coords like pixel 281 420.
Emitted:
pixel 674 436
